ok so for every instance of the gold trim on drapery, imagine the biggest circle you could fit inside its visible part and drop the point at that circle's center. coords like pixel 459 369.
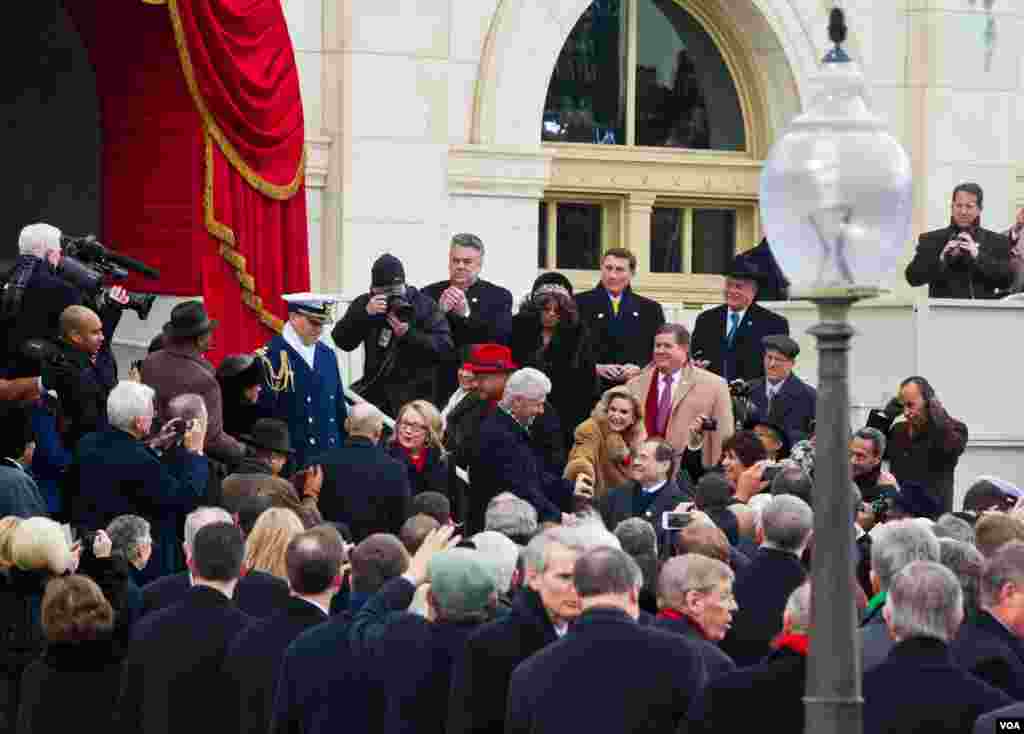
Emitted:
pixel 213 133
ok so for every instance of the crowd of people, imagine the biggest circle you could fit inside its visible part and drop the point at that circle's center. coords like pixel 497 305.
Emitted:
pixel 574 515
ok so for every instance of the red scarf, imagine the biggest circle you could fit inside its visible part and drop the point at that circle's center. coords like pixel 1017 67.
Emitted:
pixel 419 460
pixel 673 614
pixel 794 642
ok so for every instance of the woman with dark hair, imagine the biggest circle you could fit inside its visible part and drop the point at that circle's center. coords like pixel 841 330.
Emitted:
pixel 740 453
pixel 547 334
pixel 75 685
pixel 241 380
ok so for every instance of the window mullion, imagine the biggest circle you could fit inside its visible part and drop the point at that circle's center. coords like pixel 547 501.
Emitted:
pixel 686 240
pixel 552 225
pixel 631 56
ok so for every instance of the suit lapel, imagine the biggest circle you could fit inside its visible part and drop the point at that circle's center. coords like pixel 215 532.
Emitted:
pixel 682 389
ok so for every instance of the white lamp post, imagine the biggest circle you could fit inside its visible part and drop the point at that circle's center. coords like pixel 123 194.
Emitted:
pixel 835 202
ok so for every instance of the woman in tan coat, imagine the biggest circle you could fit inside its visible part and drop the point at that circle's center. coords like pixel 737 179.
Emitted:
pixel 605 442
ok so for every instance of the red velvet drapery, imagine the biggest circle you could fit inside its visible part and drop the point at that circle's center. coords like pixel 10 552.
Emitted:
pixel 203 160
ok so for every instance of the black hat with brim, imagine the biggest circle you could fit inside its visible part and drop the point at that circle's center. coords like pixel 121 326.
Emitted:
pixel 189 320
pixel 270 434
pixel 243 370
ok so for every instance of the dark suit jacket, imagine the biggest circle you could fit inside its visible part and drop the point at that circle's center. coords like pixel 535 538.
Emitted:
pixel 479 692
pixel 364 488
pixel 321 687
pixel 569 685
pixel 986 723
pixel 761 590
pixel 716 663
pixel 875 641
pixel 618 506
pixel 740 700
pixel 175 657
pixel 986 648
pixel 490 313
pixel 505 462
pixel 115 474
pixel 253 662
pixel 624 339
pixel 919 688
pixel 929 460
pixel 45 298
pixel 258 594
pixel 744 360
pixel 989 276
pixel 793 408
pixel 19 494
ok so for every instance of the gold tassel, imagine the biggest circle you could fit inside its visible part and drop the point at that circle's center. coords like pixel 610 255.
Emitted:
pixel 281 380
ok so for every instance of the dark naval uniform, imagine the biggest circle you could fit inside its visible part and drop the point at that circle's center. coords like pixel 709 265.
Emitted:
pixel 310 401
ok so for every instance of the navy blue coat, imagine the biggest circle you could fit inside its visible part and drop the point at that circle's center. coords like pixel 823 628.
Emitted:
pixel 920 688
pixel 745 358
pixel 479 692
pixel 793 407
pixel 624 339
pixel 571 685
pixel 364 488
pixel 321 688
pixel 45 298
pixel 173 668
pixel 258 594
pixel 409 658
pixel 988 649
pixel 762 590
pixel 489 322
pixel 742 699
pixel 505 462
pixel 253 662
pixel 115 474
pixel 433 478
pixel 313 404
pixel 987 724
pixel 716 663
pixel 19 494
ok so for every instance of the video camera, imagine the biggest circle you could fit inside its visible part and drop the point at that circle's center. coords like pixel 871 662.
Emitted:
pixel 398 302
pixel 86 263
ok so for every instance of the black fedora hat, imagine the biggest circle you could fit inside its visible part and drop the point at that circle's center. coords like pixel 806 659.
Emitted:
pixel 743 267
pixel 189 319
pixel 244 370
pixel 270 434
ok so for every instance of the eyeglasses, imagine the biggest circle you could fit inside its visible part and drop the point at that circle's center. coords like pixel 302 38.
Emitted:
pixel 776 359
pixel 412 427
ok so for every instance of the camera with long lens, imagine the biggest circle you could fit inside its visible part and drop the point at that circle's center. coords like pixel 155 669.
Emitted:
pixel 739 389
pixel 398 304
pixel 86 264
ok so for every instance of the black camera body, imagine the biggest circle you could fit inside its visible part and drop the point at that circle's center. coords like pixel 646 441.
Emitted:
pixel 740 389
pixel 708 424
pixel 86 264
pixel 401 308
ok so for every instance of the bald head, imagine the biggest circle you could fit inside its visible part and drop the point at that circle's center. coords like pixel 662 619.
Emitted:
pixel 187 406
pixel 82 328
pixel 364 420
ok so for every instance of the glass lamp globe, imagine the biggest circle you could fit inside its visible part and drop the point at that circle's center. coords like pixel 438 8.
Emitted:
pixel 836 190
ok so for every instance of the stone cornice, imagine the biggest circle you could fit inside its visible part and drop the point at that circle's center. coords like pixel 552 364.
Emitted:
pixel 318 156
pixel 487 170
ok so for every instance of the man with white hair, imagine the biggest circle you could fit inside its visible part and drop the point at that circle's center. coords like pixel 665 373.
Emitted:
pixel 919 687
pixel 894 545
pixel 115 473
pixel 763 587
pixel 258 594
pixel 540 614
pixel 504 460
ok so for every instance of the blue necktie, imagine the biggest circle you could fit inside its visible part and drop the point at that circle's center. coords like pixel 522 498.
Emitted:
pixel 734 319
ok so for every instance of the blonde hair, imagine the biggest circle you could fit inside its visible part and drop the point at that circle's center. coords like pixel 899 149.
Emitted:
pixel 266 545
pixel 600 413
pixel 7 527
pixel 430 416
pixel 39 544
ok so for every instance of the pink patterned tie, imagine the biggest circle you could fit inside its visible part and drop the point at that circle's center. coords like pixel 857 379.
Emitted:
pixel 664 405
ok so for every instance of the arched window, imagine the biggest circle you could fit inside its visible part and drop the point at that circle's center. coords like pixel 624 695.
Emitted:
pixel 654 148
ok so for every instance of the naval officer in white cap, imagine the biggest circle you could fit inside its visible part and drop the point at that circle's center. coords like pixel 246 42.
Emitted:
pixel 304 387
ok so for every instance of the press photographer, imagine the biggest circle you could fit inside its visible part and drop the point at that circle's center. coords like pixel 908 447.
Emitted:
pixel 53 272
pixel 405 335
pixel 963 260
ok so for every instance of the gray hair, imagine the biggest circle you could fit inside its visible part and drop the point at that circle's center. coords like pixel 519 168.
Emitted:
pixel 896 544
pixel 511 515
pixel 128 401
pixel 876 437
pixel 924 600
pixel 756 505
pixel 1005 566
pixel 690 572
pixel 364 419
pixel 951 526
pixel 798 609
pixel 637 537
pixel 792 479
pixel 127 534
pixel 787 522
pixel 187 406
pixel 39 240
pixel 605 570
pixel 579 538
pixel 500 554
pixel 466 239
pixel 201 517
pixel 529 383
pixel 967 564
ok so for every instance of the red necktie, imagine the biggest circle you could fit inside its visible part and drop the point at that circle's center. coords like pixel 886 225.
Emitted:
pixel 664 404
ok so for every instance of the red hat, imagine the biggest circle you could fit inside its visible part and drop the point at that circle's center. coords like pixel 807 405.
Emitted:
pixel 488 359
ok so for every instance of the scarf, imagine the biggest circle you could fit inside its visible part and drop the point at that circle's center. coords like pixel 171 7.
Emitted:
pixel 418 461
pixel 795 642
